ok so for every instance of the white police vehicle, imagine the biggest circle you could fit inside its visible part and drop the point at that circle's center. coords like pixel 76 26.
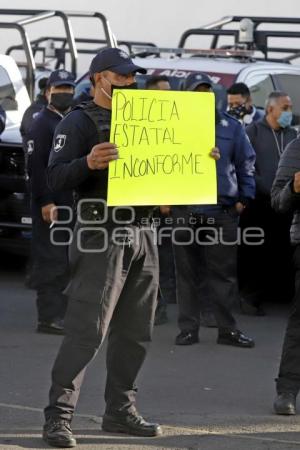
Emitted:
pixel 240 50
pixel 14 203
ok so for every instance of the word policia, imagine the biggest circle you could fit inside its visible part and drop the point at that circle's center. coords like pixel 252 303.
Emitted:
pixel 142 109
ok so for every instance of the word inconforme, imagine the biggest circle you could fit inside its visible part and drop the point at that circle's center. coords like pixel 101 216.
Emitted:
pixel 166 164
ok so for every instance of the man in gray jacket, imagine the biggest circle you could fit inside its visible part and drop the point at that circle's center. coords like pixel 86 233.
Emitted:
pixel 286 199
pixel 269 137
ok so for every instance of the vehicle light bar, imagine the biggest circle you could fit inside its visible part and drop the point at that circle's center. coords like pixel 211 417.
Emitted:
pixel 200 52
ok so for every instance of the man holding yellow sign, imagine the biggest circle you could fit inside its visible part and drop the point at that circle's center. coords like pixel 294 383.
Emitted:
pixel 114 278
pixel 113 257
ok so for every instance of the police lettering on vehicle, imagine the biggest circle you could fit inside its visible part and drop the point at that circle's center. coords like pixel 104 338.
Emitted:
pixel 60 141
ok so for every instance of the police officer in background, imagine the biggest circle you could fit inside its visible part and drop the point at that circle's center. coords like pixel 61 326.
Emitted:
pixel 214 259
pixel 31 114
pixel 240 104
pixel 32 111
pixel 49 272
pixel 114 287
pixel 158 82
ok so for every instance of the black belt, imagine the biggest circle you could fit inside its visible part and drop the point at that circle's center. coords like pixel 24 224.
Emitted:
pixel 120 216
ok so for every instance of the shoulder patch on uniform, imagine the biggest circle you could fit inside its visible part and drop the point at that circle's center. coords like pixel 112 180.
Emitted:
pixel 224 123
pixel 59 142
pixel 30 146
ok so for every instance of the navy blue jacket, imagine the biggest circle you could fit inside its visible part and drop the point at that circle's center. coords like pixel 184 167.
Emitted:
pixel 235 168
pixel 31 113
pixel 38 144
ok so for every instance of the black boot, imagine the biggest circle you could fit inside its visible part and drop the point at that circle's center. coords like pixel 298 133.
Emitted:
pixel 51 327
pixel 187 338
pixel 130 424
pixel 235 338
pixel 285 403
pixel 57 433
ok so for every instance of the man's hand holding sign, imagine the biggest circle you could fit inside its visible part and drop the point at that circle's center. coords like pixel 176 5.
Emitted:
pixel 101 155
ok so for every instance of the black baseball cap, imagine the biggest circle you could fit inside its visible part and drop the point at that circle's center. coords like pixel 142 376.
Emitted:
pixel 196 79
pixel 115 60
pixel 61 77
pixel 43 82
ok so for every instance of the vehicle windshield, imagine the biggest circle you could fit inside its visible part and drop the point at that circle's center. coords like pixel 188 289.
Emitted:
pixel 7 92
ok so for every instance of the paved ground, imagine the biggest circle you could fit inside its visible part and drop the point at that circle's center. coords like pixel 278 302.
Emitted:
pixel 207 397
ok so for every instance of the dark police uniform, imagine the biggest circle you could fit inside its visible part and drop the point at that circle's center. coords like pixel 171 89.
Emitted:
pixel 215 263
pixel 49 274
pixel 115 288
pixel 31 114
pixel 28 119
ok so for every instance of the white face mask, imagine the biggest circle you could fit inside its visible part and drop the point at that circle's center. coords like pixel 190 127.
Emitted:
pixel 117 86
pixel 104 91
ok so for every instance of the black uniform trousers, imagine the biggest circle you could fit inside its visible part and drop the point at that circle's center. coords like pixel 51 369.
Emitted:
pixel 167 278
pixel 262 275
pixel 210 257
pixel 114 289
pixel 50 270
pixel 289 371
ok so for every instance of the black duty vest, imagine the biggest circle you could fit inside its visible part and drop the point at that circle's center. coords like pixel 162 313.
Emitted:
pixel 102 120
pixel 96 186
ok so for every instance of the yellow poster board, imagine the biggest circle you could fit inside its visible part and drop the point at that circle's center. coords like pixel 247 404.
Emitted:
pixel 164 140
